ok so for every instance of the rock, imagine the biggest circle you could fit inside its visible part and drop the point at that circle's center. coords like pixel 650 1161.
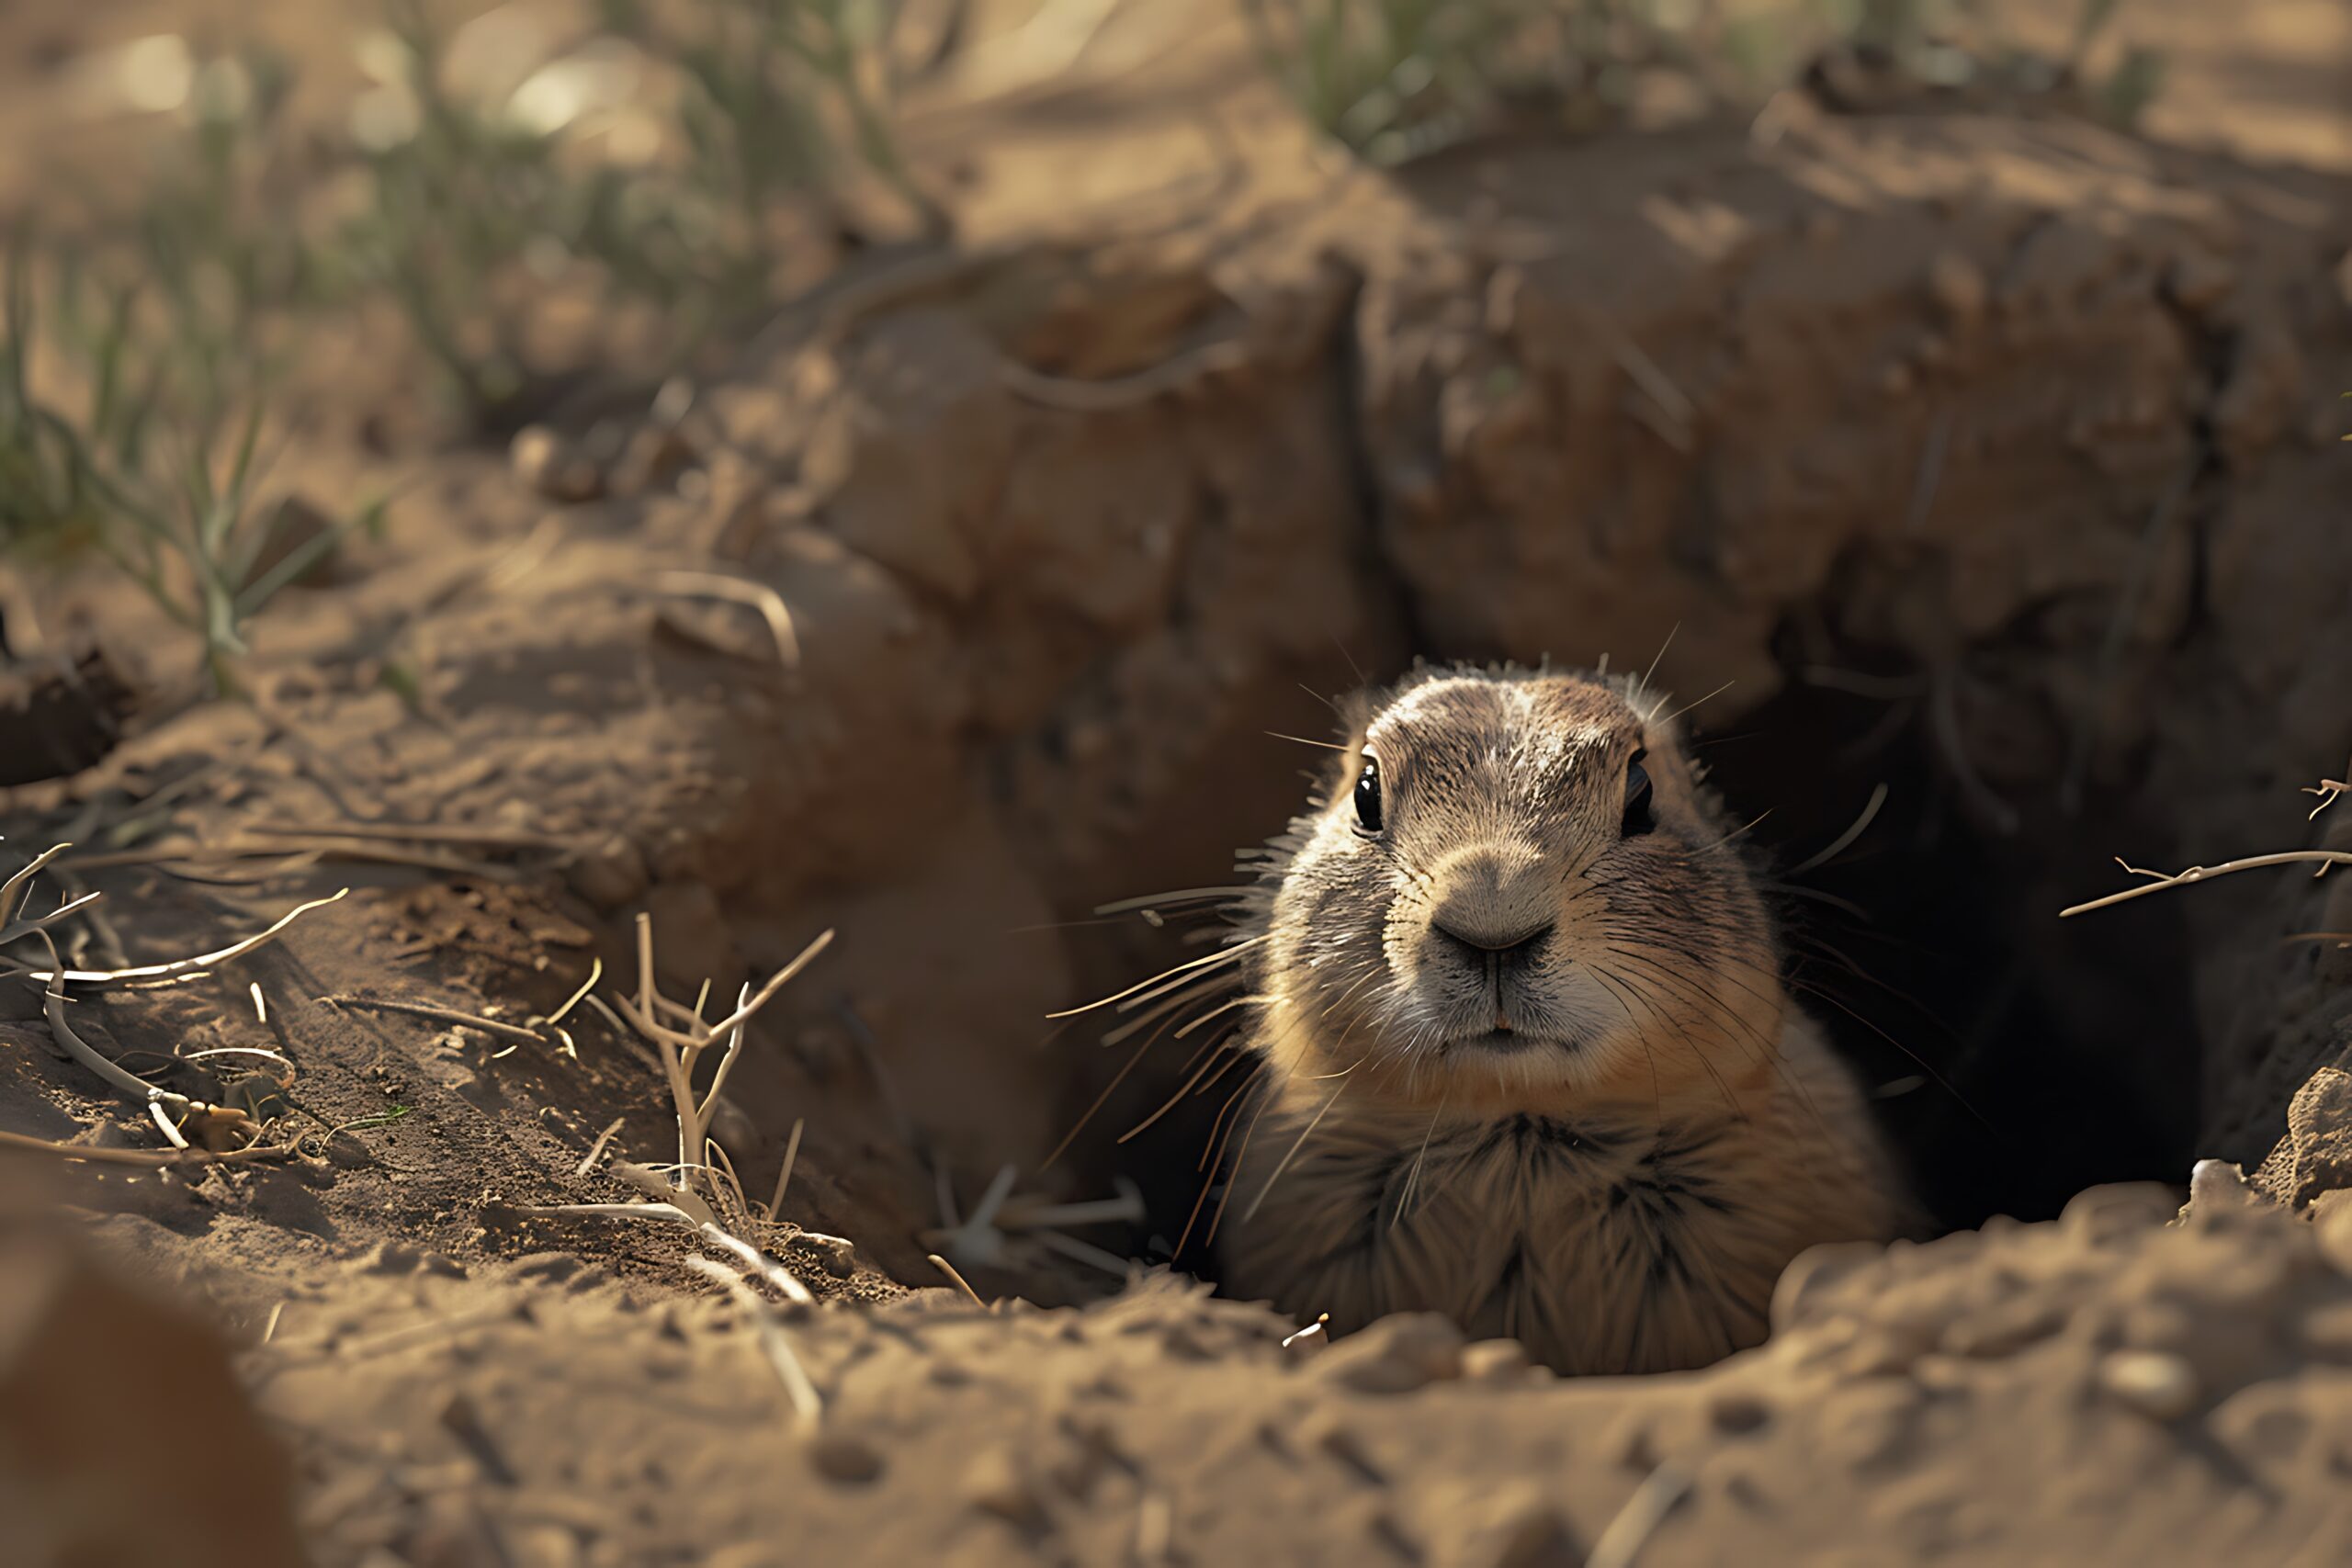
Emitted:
pixel 125 1438
pixel 995 1485
pixel 608 875
pixel 1738 1412
pixel 839 1457
pixel 1494 1361
pixel 2159 1385
pixel 1534 1536
pixel 1395 1355
pixel 2319 1136
pixel 836 1255
pixel 543 460
pixel 2217 1188
pixel 60 714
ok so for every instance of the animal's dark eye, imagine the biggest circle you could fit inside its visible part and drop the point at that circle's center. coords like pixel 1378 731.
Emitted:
pixel 1368 796
pixel 1638 815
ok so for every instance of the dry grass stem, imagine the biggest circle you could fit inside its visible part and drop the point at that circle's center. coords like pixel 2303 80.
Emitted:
pixel 169 1128
pixel 2328 791
pixel 724 1166
pixel 2322 858
pixel 961 1283
pixel 783 1173
pixel 265 1055
pixel 1131 391
pixel 437 1014
pixel 595 973
pixel 342 848
pixel 185 966
pixel 1639 1519
pixel 14 892
pixel 742 591
pixel 150 1158
pixel 416 833
pixel 678 1051
pixel 774 1341
pixel 588 1161
pixel 692 1213
pixel 777 1276
pixel 53 1007
pixel 682 1049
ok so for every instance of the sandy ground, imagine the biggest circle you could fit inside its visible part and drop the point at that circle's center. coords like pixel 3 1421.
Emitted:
pixel 1046 615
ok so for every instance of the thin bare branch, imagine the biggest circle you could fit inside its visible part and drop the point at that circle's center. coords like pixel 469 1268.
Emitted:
pixel 774 1342
pixel 434 1013
pixel 2323 858
pixel 185 965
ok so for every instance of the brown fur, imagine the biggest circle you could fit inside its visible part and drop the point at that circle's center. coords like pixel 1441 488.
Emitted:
pixel 1607 1140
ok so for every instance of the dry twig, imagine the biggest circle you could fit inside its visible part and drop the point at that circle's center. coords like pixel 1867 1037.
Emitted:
pixel 150 1158
pixel 774 1341
pixel 2324 858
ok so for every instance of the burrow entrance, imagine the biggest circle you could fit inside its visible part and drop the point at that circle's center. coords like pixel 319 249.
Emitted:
pixel 2014 1058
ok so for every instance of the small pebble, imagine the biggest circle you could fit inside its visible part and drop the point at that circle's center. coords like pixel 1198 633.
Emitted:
pixel 837 1255
pixel 1396 1355
pixel 2159 1385
pixel 1739 1414
pixel 839 1457
pixel 994 1485
pixel 1494 1361
pixel 1535 1537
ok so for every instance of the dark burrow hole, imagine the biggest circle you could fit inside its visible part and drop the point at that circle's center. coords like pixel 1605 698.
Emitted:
pixel 2013 1057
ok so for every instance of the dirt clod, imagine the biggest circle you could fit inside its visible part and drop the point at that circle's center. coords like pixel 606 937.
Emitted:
pixel 1395 1355
pixel 2160 1387
pixel 851 1460
pixel 124 1435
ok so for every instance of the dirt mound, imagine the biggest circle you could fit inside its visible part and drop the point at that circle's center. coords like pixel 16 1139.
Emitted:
pixel 2161 1393
pixel 1988 460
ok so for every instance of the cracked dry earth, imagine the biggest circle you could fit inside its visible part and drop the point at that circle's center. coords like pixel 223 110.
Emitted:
pixel 1063 527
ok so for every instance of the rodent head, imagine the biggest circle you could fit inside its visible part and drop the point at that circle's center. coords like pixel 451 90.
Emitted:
pixel 1515 896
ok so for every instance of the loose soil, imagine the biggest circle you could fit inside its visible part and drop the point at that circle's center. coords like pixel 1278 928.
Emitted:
pixel 1988 456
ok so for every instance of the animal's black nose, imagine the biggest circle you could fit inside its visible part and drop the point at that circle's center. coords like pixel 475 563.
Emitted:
pixel 1483 938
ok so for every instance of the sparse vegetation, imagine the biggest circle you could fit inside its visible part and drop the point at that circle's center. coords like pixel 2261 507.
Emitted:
pixel 165 325
pixel 1398 77
pixel 680 197
pixel 162 470
pixel 1395 78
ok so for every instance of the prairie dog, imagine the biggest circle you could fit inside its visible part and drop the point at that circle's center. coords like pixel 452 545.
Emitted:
pixel 1526 1059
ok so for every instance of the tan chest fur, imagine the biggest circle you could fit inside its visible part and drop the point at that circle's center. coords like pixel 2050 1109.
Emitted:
pixel 1642 1240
